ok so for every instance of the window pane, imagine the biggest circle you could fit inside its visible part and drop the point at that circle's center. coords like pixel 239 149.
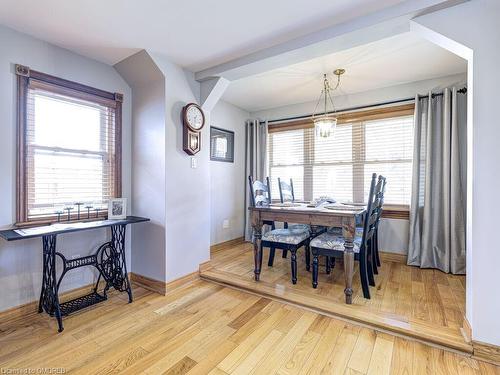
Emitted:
pixel 62 179
pixel 389 152
pixel 333 181
pixel 67 124
pixel 70 151
pixel 398 175
pixel 389 139
pixel 336 148
pixel 341 166
pixel 296 173
pixel 287 147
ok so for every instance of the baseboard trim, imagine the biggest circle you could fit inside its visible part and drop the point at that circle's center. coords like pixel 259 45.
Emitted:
pixel 466 330
pixel 162 287
pixel 393 257
pixel 226 244
pixel 148 283
pixel 183 281
pixel 205 266
pixel 486 352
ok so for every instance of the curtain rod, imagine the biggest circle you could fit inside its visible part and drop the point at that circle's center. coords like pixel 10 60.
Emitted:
pixel 463 90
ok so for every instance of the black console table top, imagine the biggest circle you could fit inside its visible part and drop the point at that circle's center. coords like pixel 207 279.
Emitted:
pixel 63 227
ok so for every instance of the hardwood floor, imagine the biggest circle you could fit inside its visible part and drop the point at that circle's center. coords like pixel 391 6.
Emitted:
pixel 419 303
pixel 204 328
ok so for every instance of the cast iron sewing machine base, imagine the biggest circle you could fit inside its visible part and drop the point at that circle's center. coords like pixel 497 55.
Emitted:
pixel 109 260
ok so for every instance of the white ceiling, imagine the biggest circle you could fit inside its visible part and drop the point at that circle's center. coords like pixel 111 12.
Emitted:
pixel 397 60
pixel 195 34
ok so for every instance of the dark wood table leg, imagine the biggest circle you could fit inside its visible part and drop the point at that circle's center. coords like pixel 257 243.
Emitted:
pixel 257 237
pixel 294 265
pixel 348 231
pixel 315 271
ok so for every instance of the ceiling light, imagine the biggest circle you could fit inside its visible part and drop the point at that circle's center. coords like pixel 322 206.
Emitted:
pixel 325 122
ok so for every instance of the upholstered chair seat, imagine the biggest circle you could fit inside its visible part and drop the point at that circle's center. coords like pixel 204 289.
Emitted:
pixel 303 227
pixel 333 241
pixel 288 236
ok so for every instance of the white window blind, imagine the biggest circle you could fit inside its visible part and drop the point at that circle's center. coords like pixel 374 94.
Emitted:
pixel 70 152
pixel 341 166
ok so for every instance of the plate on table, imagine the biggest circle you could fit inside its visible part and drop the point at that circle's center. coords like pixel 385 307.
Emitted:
pixel 339 207
pixel 357 204
pixel 286 204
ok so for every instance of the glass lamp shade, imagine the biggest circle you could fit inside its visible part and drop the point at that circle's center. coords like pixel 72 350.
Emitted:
pixel 325 126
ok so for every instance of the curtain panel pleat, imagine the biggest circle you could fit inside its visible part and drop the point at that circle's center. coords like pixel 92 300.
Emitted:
pixel 255 162
pixel 437 211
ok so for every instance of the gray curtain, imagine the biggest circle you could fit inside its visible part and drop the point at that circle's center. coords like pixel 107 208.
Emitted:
pixel 437 213
pixel 255 162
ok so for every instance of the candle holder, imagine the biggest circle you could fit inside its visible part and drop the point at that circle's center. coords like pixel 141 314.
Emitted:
pixel 69 209
pixel 78 205
pixel 88 211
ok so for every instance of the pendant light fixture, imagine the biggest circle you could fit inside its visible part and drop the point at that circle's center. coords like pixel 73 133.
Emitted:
pixel 325 122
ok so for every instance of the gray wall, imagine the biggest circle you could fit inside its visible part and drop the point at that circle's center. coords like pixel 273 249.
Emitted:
pixel 227 179
pixel 148 163
pixel 178 198
pixel 187 189
pixel 447 28
pixel 21 262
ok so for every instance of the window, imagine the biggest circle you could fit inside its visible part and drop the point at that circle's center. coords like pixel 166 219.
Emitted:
pixel 341 166
pixel 69 147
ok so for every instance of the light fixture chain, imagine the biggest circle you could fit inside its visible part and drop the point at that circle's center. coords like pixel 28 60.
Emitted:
pixel 326 123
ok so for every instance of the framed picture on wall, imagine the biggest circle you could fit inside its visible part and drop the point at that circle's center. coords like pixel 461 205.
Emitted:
pixel 221 144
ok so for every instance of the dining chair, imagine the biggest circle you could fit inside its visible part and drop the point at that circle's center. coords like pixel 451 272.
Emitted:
pixel 331 244
pixel 286 239
pixel 379 191
pixel 261 196
pixel 287 195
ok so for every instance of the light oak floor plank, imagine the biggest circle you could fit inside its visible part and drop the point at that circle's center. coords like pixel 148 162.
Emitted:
pixel 207 329
pixel 420 303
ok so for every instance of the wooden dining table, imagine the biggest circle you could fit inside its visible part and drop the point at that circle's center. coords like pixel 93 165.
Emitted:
pixel 342 216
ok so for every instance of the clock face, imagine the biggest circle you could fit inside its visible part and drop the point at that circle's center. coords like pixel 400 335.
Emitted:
pixel 194 117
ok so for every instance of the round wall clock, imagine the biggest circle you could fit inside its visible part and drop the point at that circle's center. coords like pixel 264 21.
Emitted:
pixel 193 120
pixel 194 116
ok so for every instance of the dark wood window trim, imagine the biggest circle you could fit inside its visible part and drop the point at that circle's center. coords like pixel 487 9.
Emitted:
pixel 25 77
pixel 401 212
pixel 349 117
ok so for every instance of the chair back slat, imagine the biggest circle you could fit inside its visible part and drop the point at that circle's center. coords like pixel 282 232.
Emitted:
pixel 286 191
pixel 368 224
pixel 260 193
pixel 379 196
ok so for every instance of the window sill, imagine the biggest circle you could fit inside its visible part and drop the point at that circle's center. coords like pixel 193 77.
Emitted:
pixel 396 211
pixel 49 220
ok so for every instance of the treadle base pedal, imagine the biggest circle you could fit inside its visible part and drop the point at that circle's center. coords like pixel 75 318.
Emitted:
pixel 80 303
